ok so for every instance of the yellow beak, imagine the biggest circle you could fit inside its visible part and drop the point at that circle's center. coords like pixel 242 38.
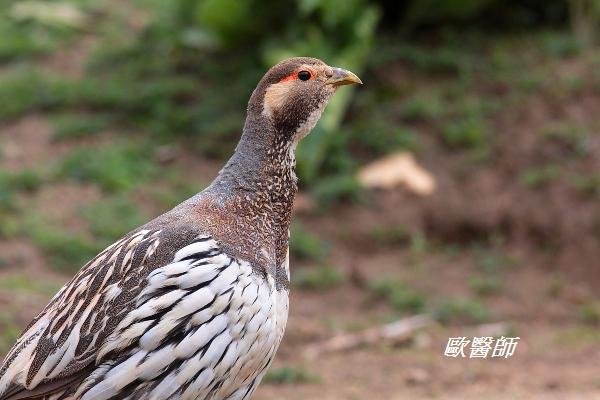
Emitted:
pixel 342 77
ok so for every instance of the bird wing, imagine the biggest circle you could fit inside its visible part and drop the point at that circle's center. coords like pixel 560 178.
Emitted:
pixel 205 326
pixel 66 337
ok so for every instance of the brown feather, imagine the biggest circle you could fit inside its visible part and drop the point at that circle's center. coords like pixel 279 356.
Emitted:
pixel 48 388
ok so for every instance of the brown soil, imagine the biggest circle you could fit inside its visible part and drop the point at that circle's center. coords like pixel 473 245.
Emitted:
pixel 552 232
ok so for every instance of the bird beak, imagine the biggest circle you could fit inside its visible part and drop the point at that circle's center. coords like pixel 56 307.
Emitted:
pixel 342 77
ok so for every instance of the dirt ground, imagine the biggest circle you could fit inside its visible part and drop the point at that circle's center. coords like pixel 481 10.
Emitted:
pixel 557 357
pixel 551 234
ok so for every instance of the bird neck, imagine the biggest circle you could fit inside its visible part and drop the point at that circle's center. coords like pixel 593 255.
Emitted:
pixel 262 166
pixel 255 191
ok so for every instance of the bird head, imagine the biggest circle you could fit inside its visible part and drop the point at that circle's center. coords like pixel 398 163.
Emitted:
pixel 293 94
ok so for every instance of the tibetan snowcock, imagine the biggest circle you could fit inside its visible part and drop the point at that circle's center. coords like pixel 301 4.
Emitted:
pixel 193 304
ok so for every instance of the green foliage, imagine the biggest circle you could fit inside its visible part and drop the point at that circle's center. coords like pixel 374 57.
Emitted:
pixel 26 90
pixel 399 295
pixel 7 196
pixel 16 45
pixel 9 224
pixel 25 284
pixel 556 287
pixel 423 107
pixel 149 103
pixel 391 235
pixel 589 313
pixel 205 44
pixel 25 32
pixel 570 134
pixel 491 261
pixel 332 189
pixel 539 177
pixel 318 278
pixel 174 95
pixel 9 331
pixel 428 11
pixel 485 285
pixel 226 18
pixel 449 59
pixel 578 337
pixel 67 252
pixel 111 218
pixel 177 191
pixel 289 375
pixel 419 244
pixel 23 90
pixel 561 44
pixel 24 180
pixel 10 185
pixel 339 161
pixel 163 79
pixel 306 246
pixel 73 126
pixel 116 168
pixel 468 133
pixel 379 136
pixel 587 184
pixel 231 23
pixel 461 311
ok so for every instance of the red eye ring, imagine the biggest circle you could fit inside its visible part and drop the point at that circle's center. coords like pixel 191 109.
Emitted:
pixel 304 75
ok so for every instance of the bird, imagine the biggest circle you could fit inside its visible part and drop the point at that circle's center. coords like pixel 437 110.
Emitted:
pixel 194 303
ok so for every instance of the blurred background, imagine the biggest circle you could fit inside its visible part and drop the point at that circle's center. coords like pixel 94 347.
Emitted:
pixel 461 182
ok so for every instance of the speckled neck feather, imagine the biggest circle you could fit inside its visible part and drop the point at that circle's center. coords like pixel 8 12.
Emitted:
pixel 248 207
pixel 259 183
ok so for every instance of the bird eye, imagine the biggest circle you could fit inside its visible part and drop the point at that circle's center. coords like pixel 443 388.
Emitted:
pixel 304 75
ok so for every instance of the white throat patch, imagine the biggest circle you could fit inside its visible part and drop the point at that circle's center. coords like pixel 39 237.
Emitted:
pixel 305 128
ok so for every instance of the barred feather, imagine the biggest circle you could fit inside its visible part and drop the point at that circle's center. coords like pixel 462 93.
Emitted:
pixel 204 325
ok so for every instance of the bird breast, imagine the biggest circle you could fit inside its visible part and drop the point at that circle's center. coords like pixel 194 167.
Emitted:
pixel 207 324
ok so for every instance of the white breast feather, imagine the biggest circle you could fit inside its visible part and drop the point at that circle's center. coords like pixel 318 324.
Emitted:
pixel 233 322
